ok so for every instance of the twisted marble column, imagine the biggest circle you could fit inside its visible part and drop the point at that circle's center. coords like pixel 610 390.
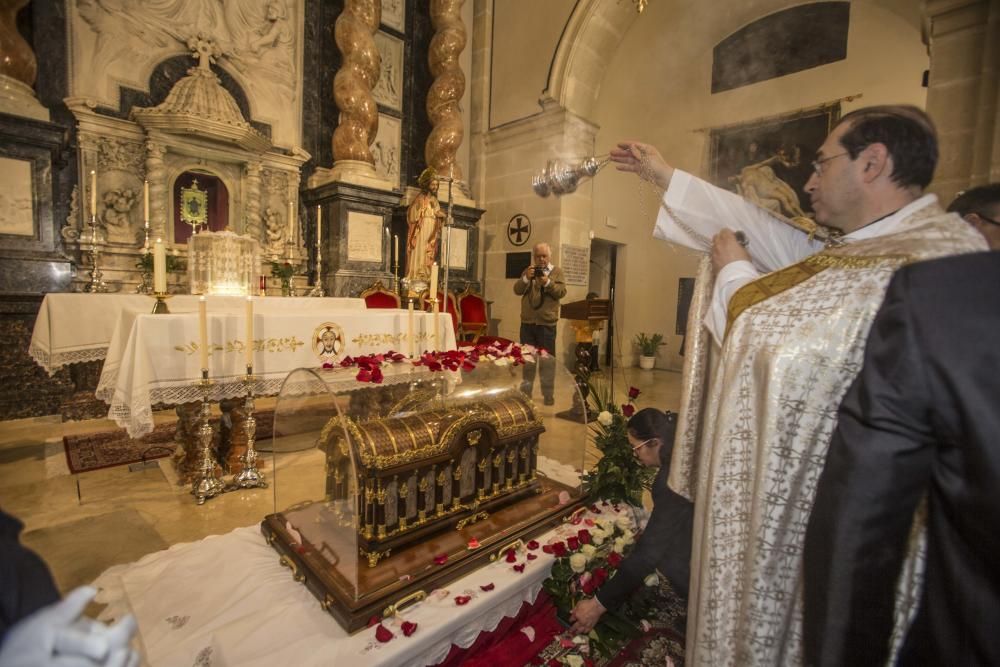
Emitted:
pixel 352 86
pixel 447 88
pixel 251 211
pixel 156 174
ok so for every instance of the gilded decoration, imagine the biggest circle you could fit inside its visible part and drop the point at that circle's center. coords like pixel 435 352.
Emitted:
pixel 273 345
pixel 328 342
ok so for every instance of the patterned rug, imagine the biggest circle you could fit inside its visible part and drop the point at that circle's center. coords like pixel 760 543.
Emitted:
pixel 114 448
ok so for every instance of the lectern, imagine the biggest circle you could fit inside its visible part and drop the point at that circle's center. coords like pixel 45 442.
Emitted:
pixel 586 317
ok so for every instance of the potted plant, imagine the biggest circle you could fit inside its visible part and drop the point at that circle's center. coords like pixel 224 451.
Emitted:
pixel 648 346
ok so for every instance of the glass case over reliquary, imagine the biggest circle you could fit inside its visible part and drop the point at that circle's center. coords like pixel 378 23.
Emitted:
pixel 376 484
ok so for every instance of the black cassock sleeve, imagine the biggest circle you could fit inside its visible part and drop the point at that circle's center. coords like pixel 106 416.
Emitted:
pixel 876 472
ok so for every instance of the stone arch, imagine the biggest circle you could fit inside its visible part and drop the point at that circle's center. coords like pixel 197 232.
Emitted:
pixel 589 40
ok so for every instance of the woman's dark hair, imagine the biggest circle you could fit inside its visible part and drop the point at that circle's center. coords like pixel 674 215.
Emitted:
pixel 653 423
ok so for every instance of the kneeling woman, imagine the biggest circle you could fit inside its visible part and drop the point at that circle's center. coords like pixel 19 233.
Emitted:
pixel 665 544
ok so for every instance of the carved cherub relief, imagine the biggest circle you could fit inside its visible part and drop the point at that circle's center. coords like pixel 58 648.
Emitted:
pixel 118 205
pixel 274 228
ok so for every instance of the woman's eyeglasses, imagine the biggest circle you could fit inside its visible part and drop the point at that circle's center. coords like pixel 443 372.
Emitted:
pixel 635 449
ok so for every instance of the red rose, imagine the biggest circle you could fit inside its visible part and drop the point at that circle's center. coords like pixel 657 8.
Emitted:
pixel 614 559
pixel 511 556
pixel 599 576
pixel 633 393
pixel 573 543
pixel 583 535
pixel 588 587
pixel 547 549
pixel 409 628
pixel 558 549
pixel 487 588
pixel 532 545
pixel 628 410
pixel 383 634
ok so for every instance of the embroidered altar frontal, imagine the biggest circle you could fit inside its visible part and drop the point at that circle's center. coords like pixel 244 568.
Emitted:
pixel 422 471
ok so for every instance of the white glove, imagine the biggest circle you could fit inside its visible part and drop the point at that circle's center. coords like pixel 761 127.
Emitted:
pixel 59 635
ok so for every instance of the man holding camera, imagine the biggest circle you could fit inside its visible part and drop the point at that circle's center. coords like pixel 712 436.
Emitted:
pixel 540 288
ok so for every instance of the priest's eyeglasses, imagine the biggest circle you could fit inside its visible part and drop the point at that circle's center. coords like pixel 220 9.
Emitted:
pixel 817 165
pixel 635 449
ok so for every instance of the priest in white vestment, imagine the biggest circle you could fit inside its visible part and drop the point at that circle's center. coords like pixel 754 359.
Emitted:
pixel 789 320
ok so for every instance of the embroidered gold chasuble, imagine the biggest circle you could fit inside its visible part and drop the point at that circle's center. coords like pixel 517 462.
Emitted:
pixel 752 442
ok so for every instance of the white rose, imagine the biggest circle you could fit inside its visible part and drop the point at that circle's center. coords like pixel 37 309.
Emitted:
pixel 627 539
pixel 619 545
pixel 578 562
pixel 597 537
pixel 607 525
pixel 651 580
pixel 588 550
pixel 624 523
pixel 574 661
pixel 605 418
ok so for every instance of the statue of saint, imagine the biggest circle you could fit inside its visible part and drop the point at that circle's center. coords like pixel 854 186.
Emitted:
pixel 424 219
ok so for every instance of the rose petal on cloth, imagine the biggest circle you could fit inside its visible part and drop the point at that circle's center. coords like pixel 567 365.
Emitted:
pixel 532 556
pixel 409 628
pixel 462 599
pixel 519 568
pixel 532 545
pixel 511 556
pixel 383 634
pixel 373 621
pixel 488 587
pixel 529 632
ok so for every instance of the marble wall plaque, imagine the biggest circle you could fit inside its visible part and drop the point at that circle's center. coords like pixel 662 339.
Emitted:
pixel 389 87
pixel 393 14
pixel 364 237
pixel 458 255
pixel 16 212
pixel 574 261
pixel 386 148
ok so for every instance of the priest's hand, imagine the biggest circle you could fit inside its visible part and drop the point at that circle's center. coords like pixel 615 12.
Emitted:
pixel 727 247
pixel 644 160
pixel 586 614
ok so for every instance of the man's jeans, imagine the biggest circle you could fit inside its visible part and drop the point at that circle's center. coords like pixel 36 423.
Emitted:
pixel 541 336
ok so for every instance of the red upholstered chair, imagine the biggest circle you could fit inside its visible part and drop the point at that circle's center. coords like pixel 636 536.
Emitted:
pixel 452 308
pixel 472 309
pixel 377 296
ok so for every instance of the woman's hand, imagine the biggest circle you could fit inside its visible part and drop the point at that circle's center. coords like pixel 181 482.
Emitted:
pixel 644 160
pixel 586 614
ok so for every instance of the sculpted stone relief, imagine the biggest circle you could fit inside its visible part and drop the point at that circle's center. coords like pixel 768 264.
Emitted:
pixel 386 149
pixel 389 87
pixel 119 42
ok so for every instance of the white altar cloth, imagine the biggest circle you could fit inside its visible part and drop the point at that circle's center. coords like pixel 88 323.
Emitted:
pixel 73 328
pixel 226 601
pixel 154 359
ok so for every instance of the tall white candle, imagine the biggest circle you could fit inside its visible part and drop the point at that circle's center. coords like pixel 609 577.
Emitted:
pixel 145 202
pixel 159 267
pixel 249 346
pixel 395 251
pixel 203 331
pixel 434 280
pixel 319 225
pixel 291 222
pixel 409 327
pixel 93 193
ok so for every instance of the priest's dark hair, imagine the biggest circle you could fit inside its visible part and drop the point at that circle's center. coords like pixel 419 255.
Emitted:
pixel 652 423
pixel 907 133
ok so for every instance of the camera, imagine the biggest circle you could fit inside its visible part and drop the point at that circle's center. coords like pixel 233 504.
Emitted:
pixel 539 271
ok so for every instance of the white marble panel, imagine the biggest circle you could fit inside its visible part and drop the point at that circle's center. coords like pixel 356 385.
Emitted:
pixel 16 211
pixel 364 237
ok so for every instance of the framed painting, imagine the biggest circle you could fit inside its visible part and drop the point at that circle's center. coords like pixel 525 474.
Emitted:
pixel 768 161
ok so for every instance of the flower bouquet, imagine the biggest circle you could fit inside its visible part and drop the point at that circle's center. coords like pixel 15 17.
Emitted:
pixel 584 562
pixel 618 477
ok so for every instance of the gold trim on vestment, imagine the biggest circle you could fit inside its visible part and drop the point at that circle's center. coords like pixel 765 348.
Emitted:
pixel 779 281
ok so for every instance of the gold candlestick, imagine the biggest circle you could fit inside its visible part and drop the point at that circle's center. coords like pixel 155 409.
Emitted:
pixel 160 307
